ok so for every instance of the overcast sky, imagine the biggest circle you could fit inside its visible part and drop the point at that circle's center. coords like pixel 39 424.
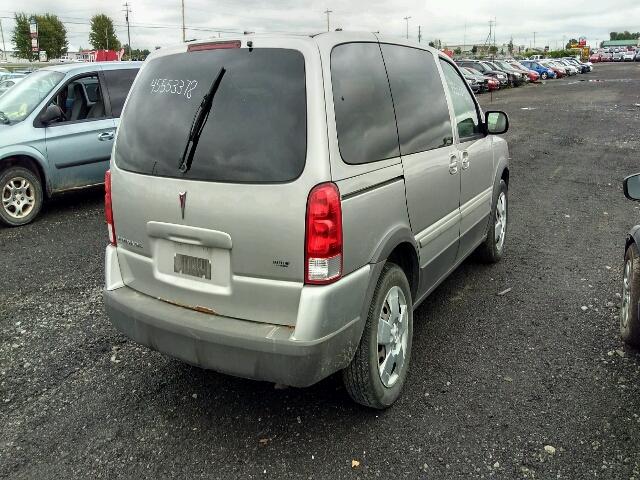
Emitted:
pixel 157 22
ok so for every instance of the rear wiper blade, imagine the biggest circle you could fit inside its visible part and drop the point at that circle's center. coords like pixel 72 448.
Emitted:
pixel 4 119
pixel 199 120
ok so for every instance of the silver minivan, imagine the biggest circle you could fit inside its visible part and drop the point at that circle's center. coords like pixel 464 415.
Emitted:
pixel 278 206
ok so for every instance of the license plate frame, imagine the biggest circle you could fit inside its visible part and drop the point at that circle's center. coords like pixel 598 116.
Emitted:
pixel 191 266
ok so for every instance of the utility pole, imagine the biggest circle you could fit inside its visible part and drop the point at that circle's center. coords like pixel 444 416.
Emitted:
pixel 126 11
pixel 534 39
pixel 495 25
pixel 407 20
pixel 4 48
pixel 328 12
pixel 464 42
pixel 419 34
pixel 184 35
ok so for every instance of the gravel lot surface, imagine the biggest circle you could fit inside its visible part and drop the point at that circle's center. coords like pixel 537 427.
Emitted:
pixel 534 383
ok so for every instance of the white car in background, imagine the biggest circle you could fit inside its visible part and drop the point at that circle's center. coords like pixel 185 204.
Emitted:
pixel 5 85
pixel 629 56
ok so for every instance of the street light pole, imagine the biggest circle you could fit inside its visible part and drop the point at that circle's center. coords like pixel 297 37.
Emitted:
pixel 407 20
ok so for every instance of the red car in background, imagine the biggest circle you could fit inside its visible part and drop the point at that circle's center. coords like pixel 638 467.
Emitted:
pixel 493 83
pixel 595 58
pixel 606 57
pixel 532 74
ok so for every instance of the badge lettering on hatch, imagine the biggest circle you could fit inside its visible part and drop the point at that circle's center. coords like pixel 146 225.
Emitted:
pixel 182 196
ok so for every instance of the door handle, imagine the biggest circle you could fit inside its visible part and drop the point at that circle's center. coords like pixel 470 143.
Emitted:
pixel 453 164
pixel 465 160
pixel 104 136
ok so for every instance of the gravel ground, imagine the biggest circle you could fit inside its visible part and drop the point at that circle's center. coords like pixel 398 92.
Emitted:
pixel 534 383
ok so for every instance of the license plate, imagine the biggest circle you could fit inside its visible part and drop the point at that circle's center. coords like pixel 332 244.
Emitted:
pixel 192 266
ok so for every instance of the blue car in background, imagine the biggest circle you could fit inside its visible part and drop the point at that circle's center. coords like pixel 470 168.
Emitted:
pixel 545 72
pixel 57 127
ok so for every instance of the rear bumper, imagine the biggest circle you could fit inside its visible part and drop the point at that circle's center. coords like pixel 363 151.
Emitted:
pixel 299 356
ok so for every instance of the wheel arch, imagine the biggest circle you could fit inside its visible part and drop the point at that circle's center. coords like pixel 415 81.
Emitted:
pixel 399 246
pixel 632 237
pixel 30 161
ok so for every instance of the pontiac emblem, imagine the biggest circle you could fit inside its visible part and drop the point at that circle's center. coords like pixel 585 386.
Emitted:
pixel 182 196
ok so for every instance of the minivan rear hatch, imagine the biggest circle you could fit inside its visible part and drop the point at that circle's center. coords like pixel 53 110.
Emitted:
pixel 224 232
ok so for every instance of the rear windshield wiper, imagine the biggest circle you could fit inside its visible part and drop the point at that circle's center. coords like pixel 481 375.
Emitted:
pixel 200 118
pixel 4 119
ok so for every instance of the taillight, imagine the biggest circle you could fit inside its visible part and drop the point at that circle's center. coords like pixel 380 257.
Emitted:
pixel 323 243
pixel 108 210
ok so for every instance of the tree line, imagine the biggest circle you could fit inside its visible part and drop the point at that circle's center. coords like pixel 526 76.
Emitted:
pixel 52 36
pixel 626 35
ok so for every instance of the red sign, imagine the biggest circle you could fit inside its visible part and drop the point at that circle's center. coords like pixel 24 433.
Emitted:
pixel 582 42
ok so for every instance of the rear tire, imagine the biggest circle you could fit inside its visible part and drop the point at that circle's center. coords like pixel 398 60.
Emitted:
pixel 377 373
pixel 20 196
pixel 544 76
pixel 629 321
pixel 492 249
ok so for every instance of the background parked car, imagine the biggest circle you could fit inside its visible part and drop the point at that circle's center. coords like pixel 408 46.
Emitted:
pixel 492 83
pixel 515 78
pixel 520 77
pixel 560 72
pixel 638 56
pixel 595 57
pixel 618 56
pixel 532 74
pixel 477 79
pixel 486 70
pixel 544 71
pixel 57 127
pixel 629 310
pixel 629 56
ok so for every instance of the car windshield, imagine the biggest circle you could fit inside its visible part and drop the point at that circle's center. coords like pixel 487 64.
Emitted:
pixel 18 103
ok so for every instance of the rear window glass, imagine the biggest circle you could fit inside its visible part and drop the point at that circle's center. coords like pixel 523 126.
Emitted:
pixel 256 130
pixel 362 101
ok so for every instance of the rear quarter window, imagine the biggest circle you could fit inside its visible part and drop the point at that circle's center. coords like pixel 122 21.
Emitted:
pixel 365 119
pixel 255 131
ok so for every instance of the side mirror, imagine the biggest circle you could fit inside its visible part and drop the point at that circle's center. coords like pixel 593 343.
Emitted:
pixel 496 123
pixel 52 113
pixel 631 187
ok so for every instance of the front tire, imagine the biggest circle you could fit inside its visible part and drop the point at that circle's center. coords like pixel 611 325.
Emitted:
pixel 492 249
pixel 629 321
pixel 20 195
pixel 544 76
pixel 377 373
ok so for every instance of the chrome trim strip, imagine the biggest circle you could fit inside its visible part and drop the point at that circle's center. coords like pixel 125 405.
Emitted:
pixel 434 231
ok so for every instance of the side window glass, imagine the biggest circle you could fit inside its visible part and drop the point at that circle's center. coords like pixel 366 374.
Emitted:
pixel 118 85
pixel 464 106
pixel 365 119
pixel 81 99
pixel 421 107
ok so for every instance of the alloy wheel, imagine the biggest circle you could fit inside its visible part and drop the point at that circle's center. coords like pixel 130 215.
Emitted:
pixel 500 221
pixel 626 294
pixel 393 334
pixel 18 197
